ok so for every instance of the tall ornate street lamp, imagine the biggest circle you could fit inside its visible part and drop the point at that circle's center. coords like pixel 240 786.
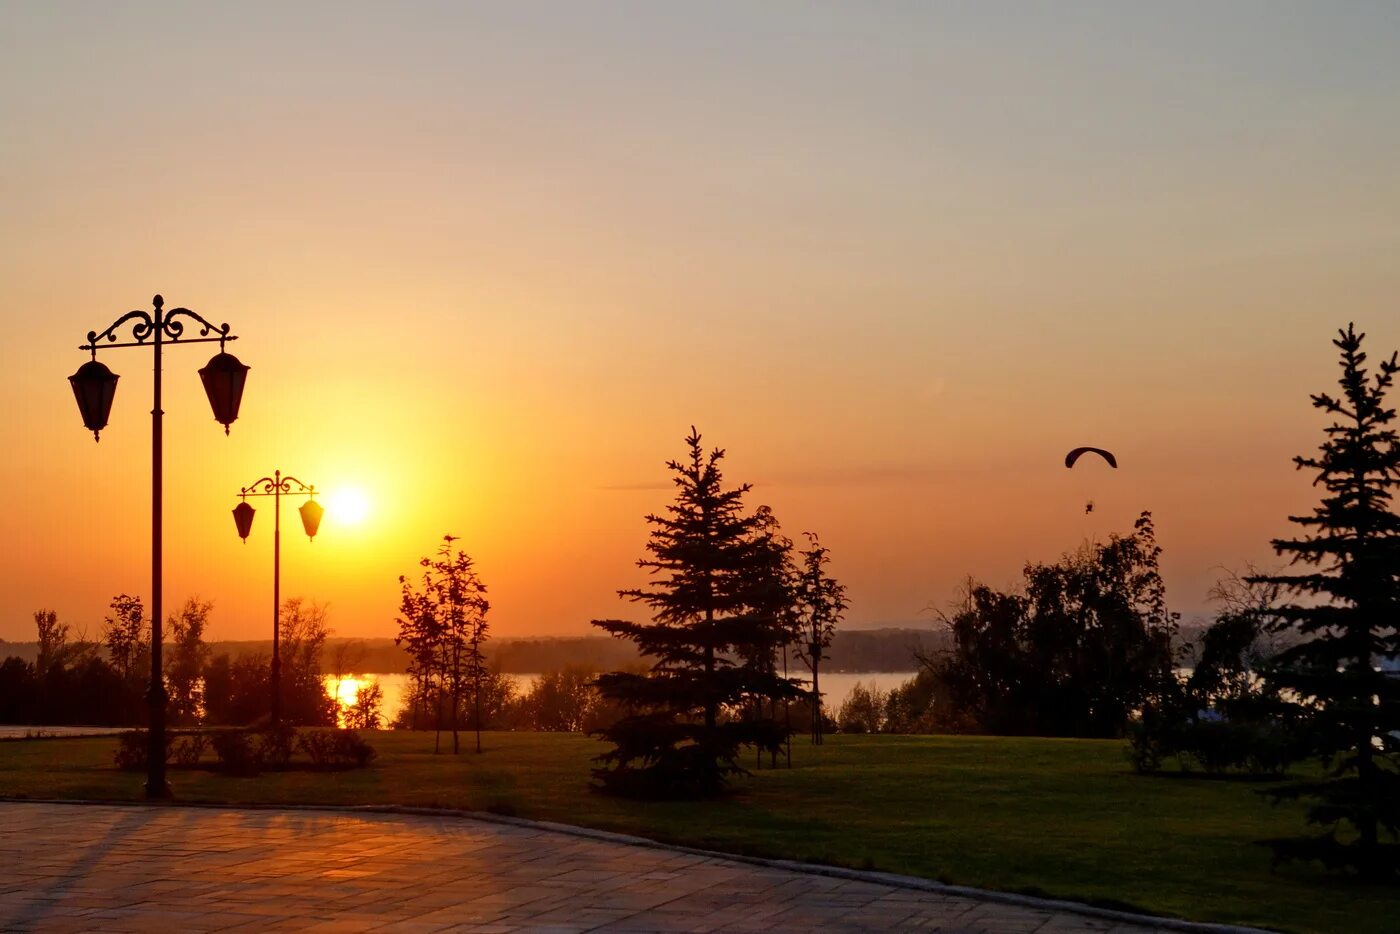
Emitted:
pixel 95 386
pixel 311 512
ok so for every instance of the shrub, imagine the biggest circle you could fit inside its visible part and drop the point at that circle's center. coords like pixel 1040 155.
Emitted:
pixel 336 749
pixel 1148 741
pixel 131 751
pixel 187 750
pixel 1259 748
pixel 864 710
pixel 275 745
pixel 181 749
pixel 236 754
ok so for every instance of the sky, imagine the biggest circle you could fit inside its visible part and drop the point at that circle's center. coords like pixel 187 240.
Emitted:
pixel 490 262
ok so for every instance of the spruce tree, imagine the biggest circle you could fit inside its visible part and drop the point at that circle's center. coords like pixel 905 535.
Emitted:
pixel 1346 611
pixel 715 569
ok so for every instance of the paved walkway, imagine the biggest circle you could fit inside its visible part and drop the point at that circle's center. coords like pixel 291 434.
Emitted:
pixel 40 732
pixel 113 868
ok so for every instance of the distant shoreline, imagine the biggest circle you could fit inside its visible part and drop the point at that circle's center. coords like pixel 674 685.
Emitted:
pixel 853 651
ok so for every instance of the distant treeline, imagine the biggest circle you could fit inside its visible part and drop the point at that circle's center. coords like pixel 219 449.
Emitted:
pixel 855 650
pixel 852 651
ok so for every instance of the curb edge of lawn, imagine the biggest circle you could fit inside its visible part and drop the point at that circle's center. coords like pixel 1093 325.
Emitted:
pixel 837 872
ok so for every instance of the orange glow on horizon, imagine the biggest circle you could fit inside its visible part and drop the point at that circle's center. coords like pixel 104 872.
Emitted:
pixel 488 267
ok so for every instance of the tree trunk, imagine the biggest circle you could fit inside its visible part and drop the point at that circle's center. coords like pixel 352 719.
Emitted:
pixel 710 706
pixel 476 660
pixel 437 725
pixel 787 714
pixel 456 692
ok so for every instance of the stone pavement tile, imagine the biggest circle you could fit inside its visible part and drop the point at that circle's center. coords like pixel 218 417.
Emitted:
pixel 585 917
pixel 1062 924
pixel 289 924
pixel 418 926
pixel 346 925
pixel 221 920
pixel 629 901
pixel 876 919
pixel 127 868
pixel 588 876
pixel 460 914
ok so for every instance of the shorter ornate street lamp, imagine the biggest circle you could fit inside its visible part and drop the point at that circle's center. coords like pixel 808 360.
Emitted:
pixel 311 513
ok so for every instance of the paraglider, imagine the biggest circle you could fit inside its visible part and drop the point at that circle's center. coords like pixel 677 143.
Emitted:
pixel 1077 453
pixel 1074 455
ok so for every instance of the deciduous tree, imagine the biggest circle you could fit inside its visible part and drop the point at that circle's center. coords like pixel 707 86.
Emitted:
pixel 127 635
pixel 305 700
pixel 443 624
pixel 185 662
pixel 821 603
pixel 367 712
pixel 1084 645
pixel 52 637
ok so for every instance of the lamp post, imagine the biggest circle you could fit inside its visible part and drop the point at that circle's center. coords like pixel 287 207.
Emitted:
pixel 311 513
pixel 95 386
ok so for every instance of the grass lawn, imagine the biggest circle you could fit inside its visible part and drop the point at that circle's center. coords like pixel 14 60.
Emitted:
pixel 1065 818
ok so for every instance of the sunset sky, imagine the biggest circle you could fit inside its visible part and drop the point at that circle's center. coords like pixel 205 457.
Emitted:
pixel 489 263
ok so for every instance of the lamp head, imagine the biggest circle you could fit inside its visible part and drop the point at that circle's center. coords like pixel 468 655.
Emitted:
pixel 243 519
pixel 311 512
pixel 223 378
pixel 94 386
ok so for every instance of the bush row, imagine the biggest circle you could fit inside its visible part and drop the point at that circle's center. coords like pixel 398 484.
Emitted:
pixel 248 752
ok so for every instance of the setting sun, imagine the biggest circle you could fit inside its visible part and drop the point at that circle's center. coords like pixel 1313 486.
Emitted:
pixel 347 506
pixel 930 439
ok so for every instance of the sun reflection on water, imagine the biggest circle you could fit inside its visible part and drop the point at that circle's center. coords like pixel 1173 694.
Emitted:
pixel 346 690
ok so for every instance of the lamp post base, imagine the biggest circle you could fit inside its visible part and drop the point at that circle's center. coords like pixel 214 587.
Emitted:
pixel 161 792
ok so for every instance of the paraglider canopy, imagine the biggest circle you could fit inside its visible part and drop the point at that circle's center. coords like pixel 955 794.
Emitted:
pixel 1074 455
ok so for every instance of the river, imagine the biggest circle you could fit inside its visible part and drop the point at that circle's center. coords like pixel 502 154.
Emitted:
pixel 836 686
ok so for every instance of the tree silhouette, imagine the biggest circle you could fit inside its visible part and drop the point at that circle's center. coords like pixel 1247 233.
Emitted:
pixel 184 665
pixel 53 639
pixel 305 700
pixel 1348 615
pixel 127 635
pixel 821 601
pixel 420 634
pixel 367 712
pixel 443 625
pixel 714 570
pixel 774 625
pixel 236 691
pixel 346 659
pixel 1078 650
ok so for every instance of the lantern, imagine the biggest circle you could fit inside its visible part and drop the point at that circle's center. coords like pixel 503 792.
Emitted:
pixel 95 387
pixel 243 518
pixel 311 512
pixel 223 379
